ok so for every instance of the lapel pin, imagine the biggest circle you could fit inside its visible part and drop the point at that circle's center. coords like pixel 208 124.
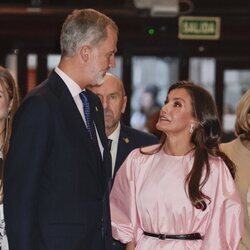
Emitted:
pixel 96 109
pixel 126 139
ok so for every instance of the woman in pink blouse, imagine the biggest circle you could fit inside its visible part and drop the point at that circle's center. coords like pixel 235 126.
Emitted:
pixel 179 194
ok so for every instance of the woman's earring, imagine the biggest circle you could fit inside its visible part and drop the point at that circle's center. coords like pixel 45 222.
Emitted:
pixel 191 129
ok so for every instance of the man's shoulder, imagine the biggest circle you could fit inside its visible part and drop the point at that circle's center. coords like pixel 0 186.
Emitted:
pixel 93 96
pixel 50 87
pixel 139 135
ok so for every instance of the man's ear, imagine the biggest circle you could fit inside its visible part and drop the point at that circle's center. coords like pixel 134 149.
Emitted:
pixel 85 53
pixel 125 99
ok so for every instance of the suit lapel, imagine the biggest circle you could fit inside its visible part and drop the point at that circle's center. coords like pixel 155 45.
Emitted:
pixel 98 116
pixel 124 147
pixel 68 109
pixel 75 128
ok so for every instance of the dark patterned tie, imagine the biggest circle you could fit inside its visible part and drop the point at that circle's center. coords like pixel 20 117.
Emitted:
pixel 109 144
pixel 87 113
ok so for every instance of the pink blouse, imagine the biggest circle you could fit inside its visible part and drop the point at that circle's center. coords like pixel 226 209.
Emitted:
pixel 148 195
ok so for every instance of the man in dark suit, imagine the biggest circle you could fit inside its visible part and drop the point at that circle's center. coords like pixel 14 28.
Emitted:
pixel 59 165
pixel 124 139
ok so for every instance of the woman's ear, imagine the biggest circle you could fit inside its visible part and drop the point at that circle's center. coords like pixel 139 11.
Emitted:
pixel 191 130
pixel 193 126
pixel 10 106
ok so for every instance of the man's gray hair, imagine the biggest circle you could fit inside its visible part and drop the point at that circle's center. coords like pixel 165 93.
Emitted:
pixel 85 26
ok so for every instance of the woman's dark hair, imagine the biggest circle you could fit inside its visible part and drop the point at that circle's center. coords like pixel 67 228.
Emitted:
pixel 205 137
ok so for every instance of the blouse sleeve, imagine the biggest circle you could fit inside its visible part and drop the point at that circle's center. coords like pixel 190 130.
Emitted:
pixel 122 201
pixel 225 228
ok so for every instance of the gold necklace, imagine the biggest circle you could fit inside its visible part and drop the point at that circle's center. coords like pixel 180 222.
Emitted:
pixel 190 150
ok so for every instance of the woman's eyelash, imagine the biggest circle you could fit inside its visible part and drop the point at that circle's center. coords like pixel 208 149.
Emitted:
pixel 177 104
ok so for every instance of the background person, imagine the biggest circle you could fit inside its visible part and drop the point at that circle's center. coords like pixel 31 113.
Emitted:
pixel 58 166
pixel 9 101
pixel 146 118
pixel 238 151
pixel 124 139
pixel 179 194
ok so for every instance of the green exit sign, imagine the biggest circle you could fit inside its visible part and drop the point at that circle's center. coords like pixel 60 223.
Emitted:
pixel 202 28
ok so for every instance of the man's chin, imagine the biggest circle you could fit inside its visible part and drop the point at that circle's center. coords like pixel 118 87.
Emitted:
pixel 99 83
pixel 100 80
pixel 109 124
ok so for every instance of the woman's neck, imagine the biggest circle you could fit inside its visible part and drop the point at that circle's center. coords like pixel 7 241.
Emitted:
pixel 178 148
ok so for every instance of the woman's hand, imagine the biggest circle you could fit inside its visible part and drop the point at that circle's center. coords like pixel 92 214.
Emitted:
pixel 130 246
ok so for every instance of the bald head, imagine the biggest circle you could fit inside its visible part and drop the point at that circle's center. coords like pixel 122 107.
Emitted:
pixel 111 79
pixel 114 100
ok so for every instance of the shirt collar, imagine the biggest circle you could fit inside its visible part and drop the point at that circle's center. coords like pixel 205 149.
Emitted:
pixel 115 135
pixel 73 87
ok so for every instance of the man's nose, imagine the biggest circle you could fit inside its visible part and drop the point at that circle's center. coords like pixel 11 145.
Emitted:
pixel 104 103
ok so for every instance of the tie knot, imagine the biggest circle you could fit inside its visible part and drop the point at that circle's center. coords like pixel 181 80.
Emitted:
pixel 84 96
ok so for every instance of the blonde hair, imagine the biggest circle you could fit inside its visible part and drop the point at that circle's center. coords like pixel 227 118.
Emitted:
pixel 8 83
pixel 242 124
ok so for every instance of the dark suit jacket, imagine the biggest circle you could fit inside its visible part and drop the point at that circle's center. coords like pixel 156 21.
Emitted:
pixel 130 139
pixel 55 182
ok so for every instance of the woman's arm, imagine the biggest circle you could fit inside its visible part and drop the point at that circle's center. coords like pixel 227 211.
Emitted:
pixel 130 246
pixel 123 201
pixel 225 226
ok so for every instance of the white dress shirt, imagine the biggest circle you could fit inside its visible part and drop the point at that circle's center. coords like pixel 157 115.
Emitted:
pixel 114 146
pixel 75 90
